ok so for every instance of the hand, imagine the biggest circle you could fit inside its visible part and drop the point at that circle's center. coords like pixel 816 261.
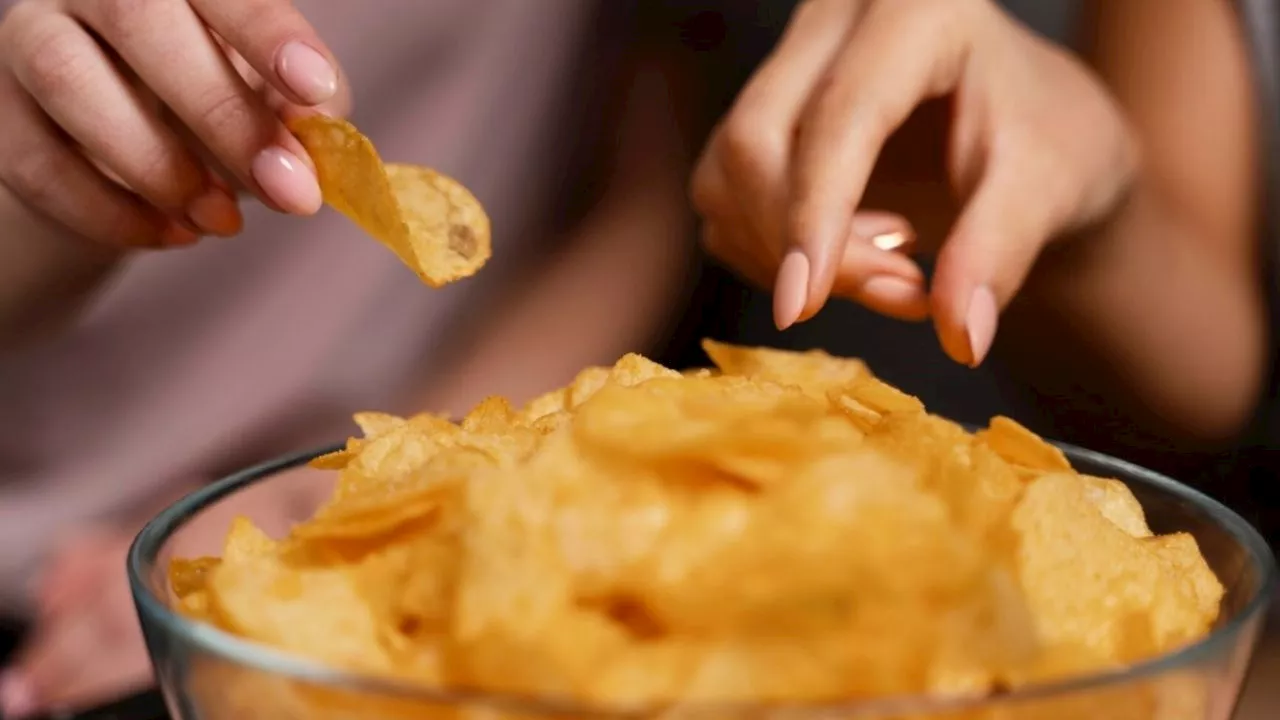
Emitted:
pixel 1037 149
pixel 121 115
pixel 85 646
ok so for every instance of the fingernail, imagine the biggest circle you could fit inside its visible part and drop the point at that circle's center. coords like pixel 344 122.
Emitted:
pixel 889 241
pixel 17 697
pixel 791 291
pixel 870 226
pixel 216 213
pixel 288 182
pixel 980 323
pixel 891 289
pixel 177 236
pixel 307 73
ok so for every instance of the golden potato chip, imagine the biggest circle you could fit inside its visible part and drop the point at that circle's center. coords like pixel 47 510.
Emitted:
pixel 189 576
pixel 492 416
pixel 189 581
pixel 336 460
pixel 546 404
pixel 245 541
pixel 315 612
pixel 787 528
pixel 373 424
pixel 813 371
pixel 1022 447
pixel 1117 504
pixel 1091 584
pixel 431 222
pixel 1182 555
pixel 883 397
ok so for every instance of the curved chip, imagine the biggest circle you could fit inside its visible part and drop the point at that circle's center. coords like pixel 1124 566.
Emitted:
pixel 430 221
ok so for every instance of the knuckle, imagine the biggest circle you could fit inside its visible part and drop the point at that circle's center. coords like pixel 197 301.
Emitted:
pixel 749 146
pixel 53 64
pixel 117 18
pixel 869 125
pixel 31 175
pixel 224 112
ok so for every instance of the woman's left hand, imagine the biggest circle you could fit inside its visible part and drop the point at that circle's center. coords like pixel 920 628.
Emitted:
pixel 1036 149
pixel 85 646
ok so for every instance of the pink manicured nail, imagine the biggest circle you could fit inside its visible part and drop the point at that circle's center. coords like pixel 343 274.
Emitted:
pixel 288 182
pixel 980 323
pixel 307 73
pixel 791 291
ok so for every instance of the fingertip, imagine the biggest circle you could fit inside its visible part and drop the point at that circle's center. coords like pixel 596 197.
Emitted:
pixel 306 73
pixel 821 247
pixel 948 323
pixel 981 319
pixel 288 181
pixel 791 290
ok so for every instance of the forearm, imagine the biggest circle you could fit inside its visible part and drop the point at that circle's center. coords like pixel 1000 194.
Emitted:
pixel 1166 299
pixel 45 273
pixel 1142 311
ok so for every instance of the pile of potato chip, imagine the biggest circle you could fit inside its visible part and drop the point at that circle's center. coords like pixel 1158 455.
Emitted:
pixel 784 528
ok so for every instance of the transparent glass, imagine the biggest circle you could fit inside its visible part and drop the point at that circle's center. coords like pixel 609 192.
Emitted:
pixel 206 674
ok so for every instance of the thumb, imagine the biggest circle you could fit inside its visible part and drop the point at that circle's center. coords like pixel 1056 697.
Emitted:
pixel 987 257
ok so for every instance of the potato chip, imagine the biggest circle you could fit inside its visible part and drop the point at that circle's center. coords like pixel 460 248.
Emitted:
pixel 1117 504
pixel 814 371
pixel 546 404
pixel 189 579
pixel 786 528
pixel 1092 585
pixel 431 222
pixel 315 612
pixel 246 542
pixel 373 424
pixel 1022 447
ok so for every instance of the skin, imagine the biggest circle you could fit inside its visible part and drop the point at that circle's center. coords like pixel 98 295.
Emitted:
pixel 637 230
pixel 142 139
pixel 1111 194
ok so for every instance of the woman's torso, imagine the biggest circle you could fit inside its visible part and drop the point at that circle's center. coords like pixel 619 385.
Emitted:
pixel 191 363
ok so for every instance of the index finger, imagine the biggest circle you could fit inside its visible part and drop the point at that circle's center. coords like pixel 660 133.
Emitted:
pixel 279 44
pixel 901 55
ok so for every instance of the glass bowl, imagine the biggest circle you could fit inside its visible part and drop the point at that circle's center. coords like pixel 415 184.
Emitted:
pixel 206 674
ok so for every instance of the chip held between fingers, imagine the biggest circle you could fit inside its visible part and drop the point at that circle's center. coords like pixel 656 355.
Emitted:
pixel 430 221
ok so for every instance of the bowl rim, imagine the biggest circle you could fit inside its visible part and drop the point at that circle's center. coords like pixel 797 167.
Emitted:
pixel 144 550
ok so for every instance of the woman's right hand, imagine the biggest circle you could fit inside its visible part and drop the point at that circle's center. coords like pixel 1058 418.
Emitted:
pixel 129 121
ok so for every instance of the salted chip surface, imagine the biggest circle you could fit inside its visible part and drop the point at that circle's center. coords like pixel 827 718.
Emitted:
pixel 429 220
pixel 788 528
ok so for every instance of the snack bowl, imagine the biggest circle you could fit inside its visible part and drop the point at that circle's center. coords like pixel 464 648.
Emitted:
pixel 207 674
